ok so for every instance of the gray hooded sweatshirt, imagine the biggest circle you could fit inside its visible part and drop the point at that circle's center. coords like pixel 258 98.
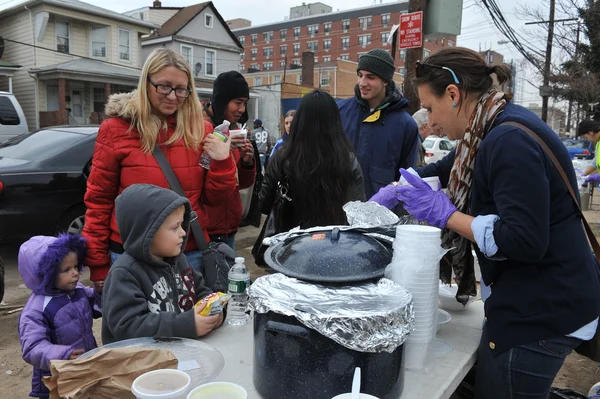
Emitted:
pixel 145 296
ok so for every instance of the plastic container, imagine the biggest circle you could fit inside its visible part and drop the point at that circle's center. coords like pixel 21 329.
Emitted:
pixel 218 390
pixel 434 182
pixel 360 396
pixel 161 384
pixel 443 317
pixel 447 298
pixel 239 279
pixel 594 392
pixel 238 133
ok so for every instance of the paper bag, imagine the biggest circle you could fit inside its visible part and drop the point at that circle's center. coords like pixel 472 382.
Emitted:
pixel 107 374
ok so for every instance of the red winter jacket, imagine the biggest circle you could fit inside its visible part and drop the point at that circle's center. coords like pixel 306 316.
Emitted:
pixel 119 162
pixel 225 217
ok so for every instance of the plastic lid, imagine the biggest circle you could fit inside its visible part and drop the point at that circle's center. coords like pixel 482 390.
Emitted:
pixel 239 259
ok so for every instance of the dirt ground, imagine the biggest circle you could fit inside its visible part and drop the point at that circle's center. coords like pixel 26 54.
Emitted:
pixel 578 373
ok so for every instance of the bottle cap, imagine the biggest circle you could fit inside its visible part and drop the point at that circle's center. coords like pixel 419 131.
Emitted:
pixel 239 259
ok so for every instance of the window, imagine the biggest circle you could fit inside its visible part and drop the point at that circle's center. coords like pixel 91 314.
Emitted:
pixel 296 33
pixel 316 60
pixel 98 99
pixel 208 20
pixel 385 19
pixel 346 25
pixel 345 43
pixel 253 53
pixel 327 44
pixel 402 71
pixel 267 65
pixel 327 27
pixel 268 36
pixel 296 61
pixel 325 79
pixel 364 40
pixel 282 63
pixel 63 36
pixel 210 59
pixel 300 79
pixel 254 66
pixel 450 43
pixel 125 44
pixel 277 79
pixel 258 81
pixel 296 47
pixel 345 57
pixel 385 37
pixel 241 56
pixel 327 58
pixel 8 113
pixel 313 29
pixel 313 46
pixel 37 145
pixel 242 67
pixel 364 22
pixel 99 35
pixel 268 52
pixel 403 54
pixel 283 34
pixel 283 49
pixel 187 53
pixel 242 40
pixel 253 38
pixel 426 53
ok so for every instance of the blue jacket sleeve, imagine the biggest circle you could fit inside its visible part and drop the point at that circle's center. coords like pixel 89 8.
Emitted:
pixel 440 169
pixel 517 178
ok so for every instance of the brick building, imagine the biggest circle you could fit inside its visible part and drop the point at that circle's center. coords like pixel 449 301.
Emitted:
pixel 331 35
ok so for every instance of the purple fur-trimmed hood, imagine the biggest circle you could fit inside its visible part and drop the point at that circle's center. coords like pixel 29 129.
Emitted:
pixel 40 257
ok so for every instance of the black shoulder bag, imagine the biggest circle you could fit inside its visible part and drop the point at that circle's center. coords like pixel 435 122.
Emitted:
pixel 217 257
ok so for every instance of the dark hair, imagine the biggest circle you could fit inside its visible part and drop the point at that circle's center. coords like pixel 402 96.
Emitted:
pixel 473 74
pixel 318 161
pixel 587 126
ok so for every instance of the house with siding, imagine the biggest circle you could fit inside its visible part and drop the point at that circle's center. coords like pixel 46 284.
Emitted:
pixel 73 56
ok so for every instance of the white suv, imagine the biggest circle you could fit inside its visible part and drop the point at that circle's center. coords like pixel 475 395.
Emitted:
pixel 12 119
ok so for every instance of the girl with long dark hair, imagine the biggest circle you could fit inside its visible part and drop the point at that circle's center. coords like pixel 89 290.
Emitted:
pixel 318 165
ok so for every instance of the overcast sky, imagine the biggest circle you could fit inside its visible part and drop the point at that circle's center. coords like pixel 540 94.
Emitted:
pixel 477 30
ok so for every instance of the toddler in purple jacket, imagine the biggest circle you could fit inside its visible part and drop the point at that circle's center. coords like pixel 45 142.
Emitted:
pixel 56 323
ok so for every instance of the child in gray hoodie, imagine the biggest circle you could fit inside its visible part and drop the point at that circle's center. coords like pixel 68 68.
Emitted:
pixel 151 289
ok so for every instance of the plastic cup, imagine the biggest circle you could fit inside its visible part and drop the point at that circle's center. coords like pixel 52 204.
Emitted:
pixel 238 133
pixel 218 390
pixel 418 230
pixel 360 396
pixel 161 384
pixel 434 182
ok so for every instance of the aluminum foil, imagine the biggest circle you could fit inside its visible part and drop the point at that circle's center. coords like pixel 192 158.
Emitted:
pixel 370 317
pixel 369 214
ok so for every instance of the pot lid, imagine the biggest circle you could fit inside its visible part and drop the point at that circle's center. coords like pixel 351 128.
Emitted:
pixel 330 256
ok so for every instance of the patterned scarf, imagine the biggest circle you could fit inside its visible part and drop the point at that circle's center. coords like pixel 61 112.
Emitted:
pixel 460 258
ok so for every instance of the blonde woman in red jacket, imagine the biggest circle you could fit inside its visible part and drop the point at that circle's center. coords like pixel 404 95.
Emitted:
pixel 164 111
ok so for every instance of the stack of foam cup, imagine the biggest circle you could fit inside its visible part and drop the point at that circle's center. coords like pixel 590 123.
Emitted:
pixel 415 266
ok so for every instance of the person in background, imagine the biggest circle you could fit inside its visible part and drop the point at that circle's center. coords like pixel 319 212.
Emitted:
pixel 287 123
pixel 383 134
pixel 590 130
pixel 151 289
pixel 56 323
pixel 319 165
pixel 261 137
pixel 229 102
pixel 163 111
pixel 421 118
pixel 507 198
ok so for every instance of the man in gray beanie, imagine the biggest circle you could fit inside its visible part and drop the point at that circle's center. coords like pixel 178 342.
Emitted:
pixel 384 135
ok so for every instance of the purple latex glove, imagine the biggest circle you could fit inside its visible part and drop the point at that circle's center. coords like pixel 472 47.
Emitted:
pixel 595 178
pixel 386 196
pixel 423 203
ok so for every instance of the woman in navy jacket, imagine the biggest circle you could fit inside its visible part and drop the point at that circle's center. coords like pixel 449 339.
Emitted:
pixel 507 197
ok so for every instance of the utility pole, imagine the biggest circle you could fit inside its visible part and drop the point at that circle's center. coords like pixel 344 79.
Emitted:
pixel 412 56
pixel 546 86
pixel 570 111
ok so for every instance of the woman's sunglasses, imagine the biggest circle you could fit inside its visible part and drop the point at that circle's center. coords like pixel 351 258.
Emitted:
pixel 421 70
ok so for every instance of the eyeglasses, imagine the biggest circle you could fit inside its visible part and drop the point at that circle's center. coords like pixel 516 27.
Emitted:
pixel 420 72
pixel 166 90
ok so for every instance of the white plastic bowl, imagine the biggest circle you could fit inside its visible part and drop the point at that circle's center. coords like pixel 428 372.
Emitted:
pixel 218 390
pixel 447 298
pixel 161 384
pixel 443 317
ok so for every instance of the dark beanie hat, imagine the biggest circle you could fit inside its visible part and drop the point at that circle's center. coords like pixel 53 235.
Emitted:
pixel 587 126
pixel 228 86
pixel 379 62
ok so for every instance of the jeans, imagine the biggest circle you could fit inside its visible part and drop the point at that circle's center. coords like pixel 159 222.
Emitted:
pixel 228 239
pixel 524 372
pixel 194 258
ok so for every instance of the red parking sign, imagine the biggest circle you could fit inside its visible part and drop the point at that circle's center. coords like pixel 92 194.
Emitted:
pixel 411 30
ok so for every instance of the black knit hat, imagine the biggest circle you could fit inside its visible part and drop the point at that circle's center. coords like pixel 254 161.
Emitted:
pixel 379 62
pixel 587 126
pixel 228 86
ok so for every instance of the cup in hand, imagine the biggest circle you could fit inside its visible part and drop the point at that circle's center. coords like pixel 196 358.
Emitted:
pixel 239 133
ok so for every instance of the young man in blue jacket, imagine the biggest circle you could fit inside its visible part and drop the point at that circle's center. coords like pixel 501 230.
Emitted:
pixel 384 135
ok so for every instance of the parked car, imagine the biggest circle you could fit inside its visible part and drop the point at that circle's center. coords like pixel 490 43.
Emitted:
pixel 436 148
pixel 12 119
pixel 43 178
pixel 581 149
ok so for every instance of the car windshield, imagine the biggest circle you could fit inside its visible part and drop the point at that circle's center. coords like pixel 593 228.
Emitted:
pixel 38 145
pixel 428 143
pixel 576 144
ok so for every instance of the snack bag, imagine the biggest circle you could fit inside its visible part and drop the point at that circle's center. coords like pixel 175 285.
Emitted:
pixel 214 303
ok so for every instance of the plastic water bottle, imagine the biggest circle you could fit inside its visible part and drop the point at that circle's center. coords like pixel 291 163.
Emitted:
pixel 594 392
pixel 222 132
pixel 239 279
